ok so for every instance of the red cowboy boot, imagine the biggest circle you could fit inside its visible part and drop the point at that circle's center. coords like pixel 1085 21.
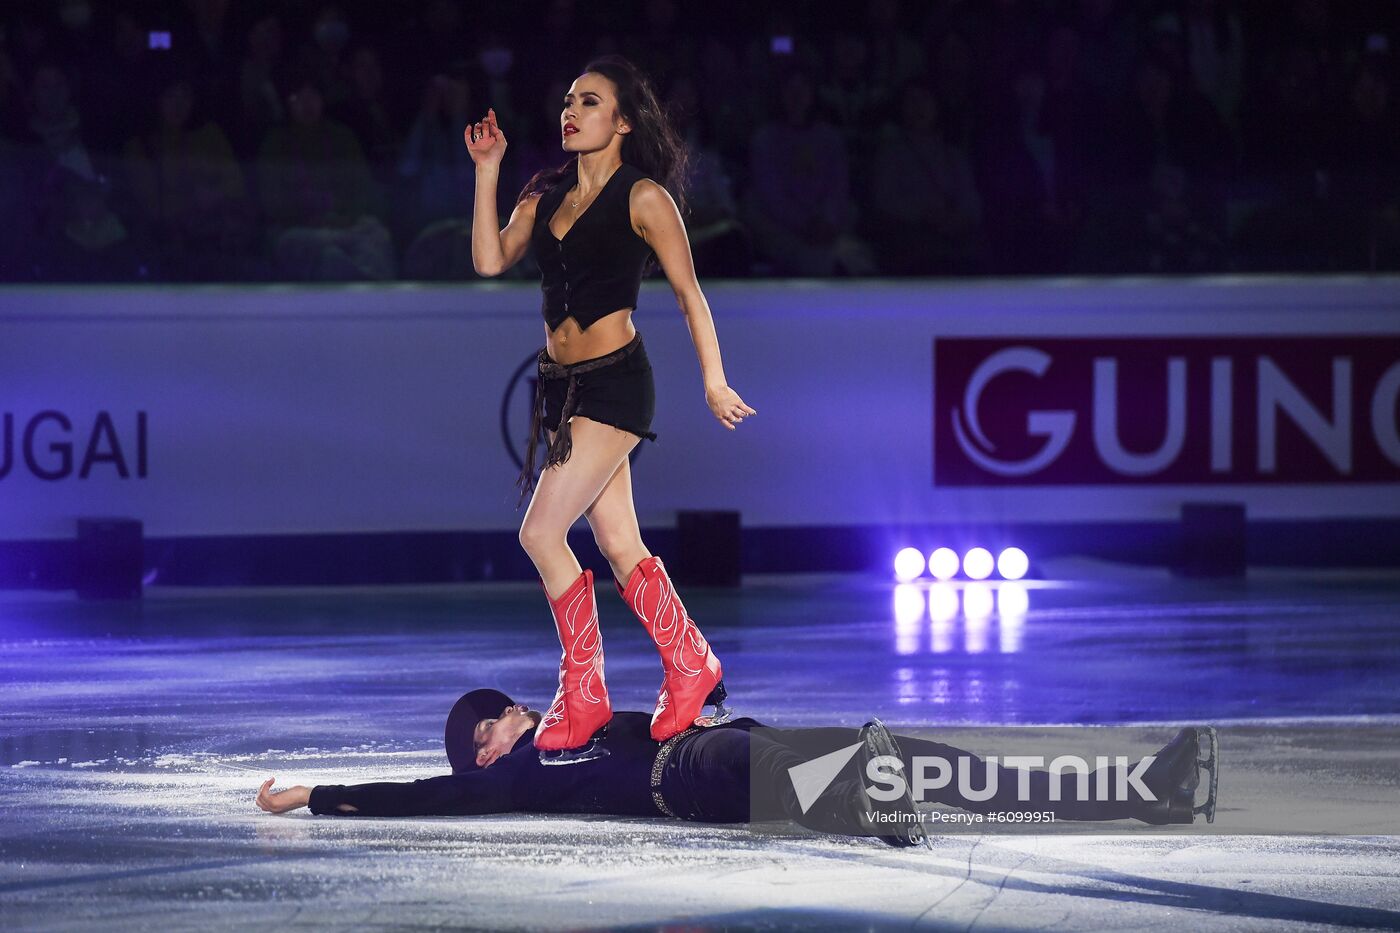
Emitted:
pixel 573 726
pixel 693 677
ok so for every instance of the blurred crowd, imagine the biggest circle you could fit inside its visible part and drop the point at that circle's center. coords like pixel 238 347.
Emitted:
pixel 203 140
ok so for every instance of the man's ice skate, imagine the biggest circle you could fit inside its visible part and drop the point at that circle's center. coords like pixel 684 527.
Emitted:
pixel 1211 746
pixel 902 825
pixel 572 729
pixel 1175 777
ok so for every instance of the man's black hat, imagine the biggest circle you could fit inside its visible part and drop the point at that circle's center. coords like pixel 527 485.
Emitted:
pixel 461 723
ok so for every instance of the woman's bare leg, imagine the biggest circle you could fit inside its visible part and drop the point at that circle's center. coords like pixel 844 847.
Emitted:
pixel 613 518
pixel 564 492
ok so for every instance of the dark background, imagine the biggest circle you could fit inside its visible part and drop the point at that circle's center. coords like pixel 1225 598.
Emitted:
pixel 986 137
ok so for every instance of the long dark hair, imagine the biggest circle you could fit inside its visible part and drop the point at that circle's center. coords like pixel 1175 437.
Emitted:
pixel 653 145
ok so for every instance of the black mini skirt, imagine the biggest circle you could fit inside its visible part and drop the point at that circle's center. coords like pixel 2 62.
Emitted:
pixel 621 392
pixel 617 389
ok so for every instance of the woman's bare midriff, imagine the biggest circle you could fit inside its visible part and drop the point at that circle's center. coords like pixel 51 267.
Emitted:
pixel 569 344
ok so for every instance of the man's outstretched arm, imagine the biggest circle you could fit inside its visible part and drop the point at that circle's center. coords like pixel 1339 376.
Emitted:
pixel 486 790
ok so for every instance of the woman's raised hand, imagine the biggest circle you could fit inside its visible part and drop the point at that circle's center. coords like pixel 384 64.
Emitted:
pixel 485 141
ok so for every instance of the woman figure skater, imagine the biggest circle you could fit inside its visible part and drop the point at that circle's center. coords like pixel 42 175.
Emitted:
pixel 594 223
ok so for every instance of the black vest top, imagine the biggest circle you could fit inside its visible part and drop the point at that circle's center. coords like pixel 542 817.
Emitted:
pixel 597 268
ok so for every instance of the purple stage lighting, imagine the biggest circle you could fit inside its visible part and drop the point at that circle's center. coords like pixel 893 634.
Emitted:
pixel 977 563
pixel 943 563
pixel 1012 563
pixel 908 564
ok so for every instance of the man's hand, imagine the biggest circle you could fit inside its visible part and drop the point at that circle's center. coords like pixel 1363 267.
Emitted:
pixel 282 800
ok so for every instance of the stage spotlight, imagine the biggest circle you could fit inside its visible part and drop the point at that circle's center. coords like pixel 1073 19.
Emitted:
pixel 909 605
pixel 1013 563
pixel 977 563
pixel 943 563
pixel 977 608
pixel 977 601
pixel 909 609
pixel 941 636
pixel 1009 634
pixel 1012 599
pixel 908 689
pixel 942 602
pixel 908 564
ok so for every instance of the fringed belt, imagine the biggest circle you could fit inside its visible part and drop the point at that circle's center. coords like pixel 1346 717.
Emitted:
pixel 659 765
pixel 563 439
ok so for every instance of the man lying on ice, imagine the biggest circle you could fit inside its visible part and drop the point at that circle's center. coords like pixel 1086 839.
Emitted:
pixel 707 774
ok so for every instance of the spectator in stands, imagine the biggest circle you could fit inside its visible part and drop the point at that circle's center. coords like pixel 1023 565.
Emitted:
pixel 1032 211
pixel 11 96
pixel 83 239
pixel 50 149
pixel 1367 148
pixel 1176 234
pixel 719 243
pixel 954 82
pixel 1287 217
pixel 109 106
pixel 728 106
pixel 437 183
pixel 539 149
pixel 204 38
pixel 371 114
pixel 560 35
pixel 1215 53
pixel 260 102
pixel 926 213
pixel 1367 162
pixel 324 56
pixel 895 57
pixel 1003 35
pixel 1080 119
pixel 78 38
pixel 30 35
pixel 850 96
pixel 54 125
pixel 798 204
pixel 72 230
pixel 80 236
pixel 1168 118
pixel 495 69
pixel 322 205
pixel 663 45
pixel 435 44
pixel 16 241
pixel 188 187
pixel 1108 33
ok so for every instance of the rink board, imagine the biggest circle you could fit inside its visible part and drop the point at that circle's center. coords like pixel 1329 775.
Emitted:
pixel 281 410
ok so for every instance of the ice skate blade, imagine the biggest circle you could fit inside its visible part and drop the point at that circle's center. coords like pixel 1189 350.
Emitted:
pixel 879 741
pixel 721 714
pixel 1210 743
pixel 572 756
pixel 588 751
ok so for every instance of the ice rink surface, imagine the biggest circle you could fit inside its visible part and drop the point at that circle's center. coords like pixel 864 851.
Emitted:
pixel 133 738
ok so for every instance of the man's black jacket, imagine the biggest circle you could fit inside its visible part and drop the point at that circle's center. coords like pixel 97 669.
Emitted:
pixel 619 783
